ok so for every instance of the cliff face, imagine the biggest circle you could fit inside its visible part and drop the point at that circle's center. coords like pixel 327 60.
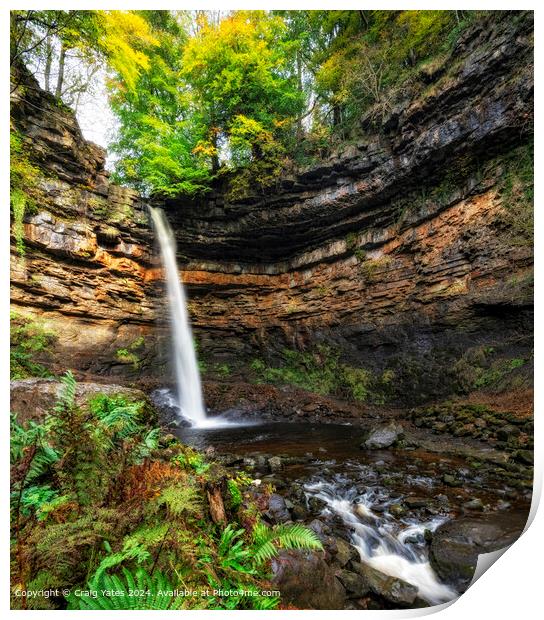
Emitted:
pixel 411 250
pixel 88 246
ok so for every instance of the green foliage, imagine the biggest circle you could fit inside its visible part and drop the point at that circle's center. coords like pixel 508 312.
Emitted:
pixel 18 206
pixel 516 186
pixel 232 550
pixel 140 527
pixel 239 97
pixel 130 355
pixel 181 499
pixel 267 540
pixel 131 590
pixel 497 371
pixel 159 129
pixel 321 371
pixel 23 188
pixel 222 92
pixel 28 340
pixel 368 57
pixel 483 367
pixel 190 459
pixel 235 493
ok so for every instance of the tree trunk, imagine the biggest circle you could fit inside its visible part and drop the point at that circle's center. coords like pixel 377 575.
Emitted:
pixel 215 501
pixel 60 80
pixel 299 80
pixel 48 59
pixel 215 156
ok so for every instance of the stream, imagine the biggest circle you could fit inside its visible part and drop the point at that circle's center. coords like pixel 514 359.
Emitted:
pixel 386 503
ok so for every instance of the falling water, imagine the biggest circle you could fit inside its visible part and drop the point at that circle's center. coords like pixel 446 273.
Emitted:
pixel 186 367
pixel 378 538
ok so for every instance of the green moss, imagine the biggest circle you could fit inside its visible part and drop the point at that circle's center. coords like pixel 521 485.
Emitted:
pixel 18 207
pixel 223 370
pixel 321 371
pixel 23 188
pixel 492 376
pixel 130 355
pixel 29 339
pixel 516 188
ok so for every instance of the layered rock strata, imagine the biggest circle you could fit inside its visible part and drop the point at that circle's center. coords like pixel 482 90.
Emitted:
pixel 404 251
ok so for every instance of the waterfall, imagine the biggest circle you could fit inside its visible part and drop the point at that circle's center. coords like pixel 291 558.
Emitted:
pixel 185 364
pixel 377 539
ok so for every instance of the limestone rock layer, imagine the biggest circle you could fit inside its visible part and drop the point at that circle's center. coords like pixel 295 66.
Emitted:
pixel 407 249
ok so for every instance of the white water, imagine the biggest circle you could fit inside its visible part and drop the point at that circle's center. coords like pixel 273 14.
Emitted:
pixel 381 539
pixel 189 389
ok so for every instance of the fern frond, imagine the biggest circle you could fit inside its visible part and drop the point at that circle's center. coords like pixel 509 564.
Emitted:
pixel 181 499
pixel 267 541
pixel 67 396
pixel 148 592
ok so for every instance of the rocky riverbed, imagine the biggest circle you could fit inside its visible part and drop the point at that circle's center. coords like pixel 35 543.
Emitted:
pixel 402 508
pixel 402 513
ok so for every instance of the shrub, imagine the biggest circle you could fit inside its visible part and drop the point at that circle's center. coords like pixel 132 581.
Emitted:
pixel 29 339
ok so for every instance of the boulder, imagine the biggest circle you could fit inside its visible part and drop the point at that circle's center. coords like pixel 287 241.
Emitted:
pixel 392 589
pixel 306 581
pixel 456 544
pixel 32 399
pixel 344 552
pixel 275 464
pixel 382 436
pixel 416 502
pixel 354 583
pixel 277 509
pixel 474 504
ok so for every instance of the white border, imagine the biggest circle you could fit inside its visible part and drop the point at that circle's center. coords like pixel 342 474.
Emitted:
pixel 513 587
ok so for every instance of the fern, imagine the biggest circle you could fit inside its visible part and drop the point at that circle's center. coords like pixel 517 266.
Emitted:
pixel 267 540
pixel 149 442
pixel 39 500
pixel 67 396
pixel 232 552
pixel 137 590
pixel 181 499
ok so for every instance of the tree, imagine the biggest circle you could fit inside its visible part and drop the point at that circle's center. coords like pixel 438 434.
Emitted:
pixel 238 73
pixel 72 38
pixel 159 126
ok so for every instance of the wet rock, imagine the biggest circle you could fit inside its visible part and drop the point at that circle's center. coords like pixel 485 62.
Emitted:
pixel 383 436
pixel 451 480
pixel 397 510
pixel 316 505
pixel 393 589
pixel 274 481
pixel 354 584
pixel 344 552
pixel 363 512
pixel 474 504
pixel 275 464
pixel 323 532
pixel 277 509
pixel 306 580
pixel 456 544
pixel 416 502
pixel 299 512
